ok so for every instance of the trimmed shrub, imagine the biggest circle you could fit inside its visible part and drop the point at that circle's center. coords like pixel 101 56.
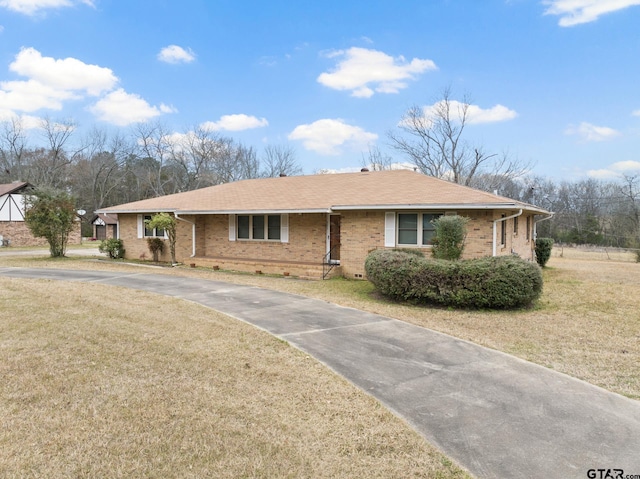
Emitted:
pixel 451 232
pixel 503 282
pixel 156 247
pixel 113 247
pixel 414 251
pixel 543 250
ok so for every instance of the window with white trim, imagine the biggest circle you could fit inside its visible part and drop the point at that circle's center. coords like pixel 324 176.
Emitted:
pixel 259 227
pixel 151 232
pixel 416 229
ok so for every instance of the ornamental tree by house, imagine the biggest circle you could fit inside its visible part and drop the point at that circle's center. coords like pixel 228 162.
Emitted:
pixel 169 224
pixel 51 215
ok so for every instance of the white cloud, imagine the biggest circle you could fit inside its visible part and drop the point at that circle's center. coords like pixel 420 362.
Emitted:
pixel 589 132
pixel 603 174
pixel 64 74
pixel 51 82
pixel 176 54
pixel 31 96
pixel 615 170
pixel 328 136
pixel 27 122
pixel 491 115
pixel 628 165
pixel 237 122
pixel 474 113
pixel 365 72
pixel 636 113
pixel 575 12
pixel 122 108
pixel 31 7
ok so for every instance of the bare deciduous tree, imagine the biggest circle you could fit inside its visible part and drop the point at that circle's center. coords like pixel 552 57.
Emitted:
pixel 99 171
pixel 49 168
pixel 376 160
pixel 279 160
pixel 433 139
pixel 153 142
pixel 12 147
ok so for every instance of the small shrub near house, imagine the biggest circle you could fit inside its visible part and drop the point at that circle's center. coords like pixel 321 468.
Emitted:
pixel 113 247
pixel 451 232
pixel 504 282
pixel 156 247
pixel 543 250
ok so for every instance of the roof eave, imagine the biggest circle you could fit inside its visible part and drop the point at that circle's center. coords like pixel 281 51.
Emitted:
pixel 254 211
pixel 137 211
pixel 216 212
pixel 442 206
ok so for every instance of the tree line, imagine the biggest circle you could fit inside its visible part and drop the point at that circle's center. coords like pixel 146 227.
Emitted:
pixel 104 169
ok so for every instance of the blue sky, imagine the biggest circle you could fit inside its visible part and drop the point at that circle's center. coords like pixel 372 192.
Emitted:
pixel 552 82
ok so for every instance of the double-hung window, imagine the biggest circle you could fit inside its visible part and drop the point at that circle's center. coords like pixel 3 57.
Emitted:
pixel 416 229
pixel 259 227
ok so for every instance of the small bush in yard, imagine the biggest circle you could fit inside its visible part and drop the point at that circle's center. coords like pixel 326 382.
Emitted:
pixel 156 246
pixel 451 232
pixel 543 250
pixel 113 247
pixel 503 282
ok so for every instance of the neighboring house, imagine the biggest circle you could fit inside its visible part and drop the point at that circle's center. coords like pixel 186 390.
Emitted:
pixel 298 224
pixel 104 227
pixel 13 229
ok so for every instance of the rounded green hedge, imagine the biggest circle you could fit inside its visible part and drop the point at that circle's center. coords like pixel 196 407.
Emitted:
pixel 503 282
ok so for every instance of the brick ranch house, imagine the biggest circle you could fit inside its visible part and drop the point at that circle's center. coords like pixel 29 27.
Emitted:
pixel 302 224
pixel 13 229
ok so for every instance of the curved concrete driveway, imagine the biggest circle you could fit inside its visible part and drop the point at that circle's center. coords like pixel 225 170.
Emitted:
pixel 498 416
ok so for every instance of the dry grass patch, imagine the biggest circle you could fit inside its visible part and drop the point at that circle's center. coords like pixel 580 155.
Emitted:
pixel 586 324
pixel 93 386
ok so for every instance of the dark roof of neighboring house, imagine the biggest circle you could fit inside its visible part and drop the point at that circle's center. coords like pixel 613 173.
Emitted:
pixel 370 190
pixel 108 220
pixel 15 187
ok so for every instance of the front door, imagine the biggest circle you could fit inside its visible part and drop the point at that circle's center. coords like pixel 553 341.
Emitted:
pixel 334 238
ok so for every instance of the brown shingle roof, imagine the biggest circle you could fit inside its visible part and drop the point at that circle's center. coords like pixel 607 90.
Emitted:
pixel 108 220
pixel 9 188
pixel 399 189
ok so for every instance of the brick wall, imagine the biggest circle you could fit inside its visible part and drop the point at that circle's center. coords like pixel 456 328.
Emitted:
pixel 19 234
pixel 361 232
pixel 307 240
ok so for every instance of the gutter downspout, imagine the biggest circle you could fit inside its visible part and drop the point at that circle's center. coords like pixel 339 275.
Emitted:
pixel 193 233
pixel 495 230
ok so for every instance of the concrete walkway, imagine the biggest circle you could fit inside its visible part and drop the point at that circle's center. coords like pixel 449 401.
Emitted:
pixel 498 416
